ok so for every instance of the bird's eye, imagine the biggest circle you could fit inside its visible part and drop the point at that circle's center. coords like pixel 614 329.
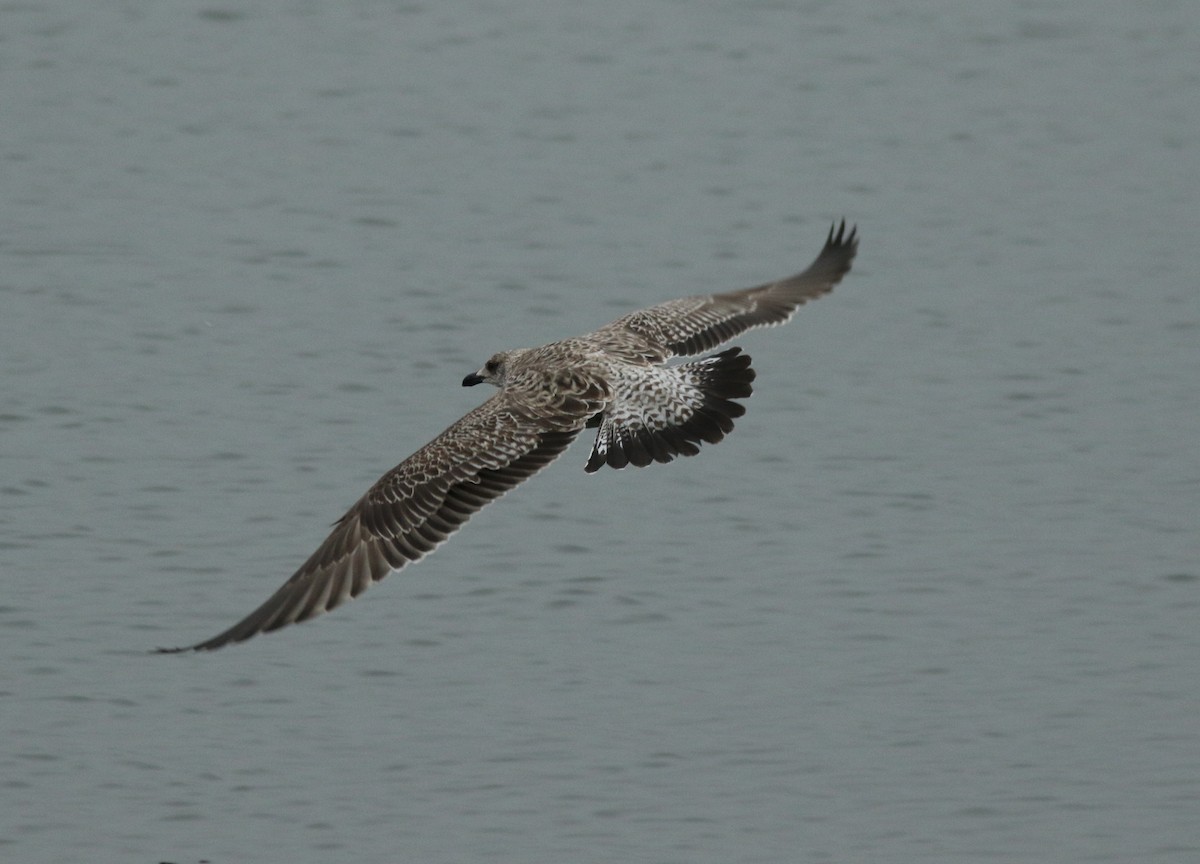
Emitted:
pixel 491 366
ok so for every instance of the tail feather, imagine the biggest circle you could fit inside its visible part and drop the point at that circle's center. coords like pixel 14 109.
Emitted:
pixel 703 392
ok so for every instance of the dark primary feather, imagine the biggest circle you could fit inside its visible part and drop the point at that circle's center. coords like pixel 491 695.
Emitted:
pixel 691 325
pixel 409 512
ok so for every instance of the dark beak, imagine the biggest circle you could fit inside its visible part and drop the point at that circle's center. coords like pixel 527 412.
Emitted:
pixel 472 379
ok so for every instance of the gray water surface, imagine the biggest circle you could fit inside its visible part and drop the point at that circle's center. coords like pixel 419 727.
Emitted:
pixel 934 600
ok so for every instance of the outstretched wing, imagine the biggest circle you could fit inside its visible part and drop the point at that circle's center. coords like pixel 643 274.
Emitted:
pixel 691 325
pixel 412 510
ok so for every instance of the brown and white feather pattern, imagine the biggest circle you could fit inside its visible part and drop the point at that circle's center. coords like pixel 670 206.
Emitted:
pixel 612 379
pixel 690 325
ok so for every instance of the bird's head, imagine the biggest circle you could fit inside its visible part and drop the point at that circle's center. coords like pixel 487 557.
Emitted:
pixel 493 372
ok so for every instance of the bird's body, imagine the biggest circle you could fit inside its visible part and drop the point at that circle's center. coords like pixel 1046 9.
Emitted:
pixel 613 379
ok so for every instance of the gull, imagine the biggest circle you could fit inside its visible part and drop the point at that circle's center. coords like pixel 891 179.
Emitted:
pixel 615 380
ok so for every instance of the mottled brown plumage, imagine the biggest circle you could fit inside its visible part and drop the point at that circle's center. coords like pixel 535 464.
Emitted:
pixel 613 379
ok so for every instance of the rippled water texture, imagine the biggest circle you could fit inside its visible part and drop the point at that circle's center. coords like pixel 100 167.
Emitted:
pixel 934 600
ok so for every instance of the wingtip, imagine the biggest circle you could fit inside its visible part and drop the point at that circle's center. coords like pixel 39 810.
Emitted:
pixel 182 650
pixel 199 648
pixel 838 235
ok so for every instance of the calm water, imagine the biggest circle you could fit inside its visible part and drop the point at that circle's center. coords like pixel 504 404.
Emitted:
pixel 934 601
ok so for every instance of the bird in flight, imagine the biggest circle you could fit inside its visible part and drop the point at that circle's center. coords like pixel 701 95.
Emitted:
pixel 614 380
